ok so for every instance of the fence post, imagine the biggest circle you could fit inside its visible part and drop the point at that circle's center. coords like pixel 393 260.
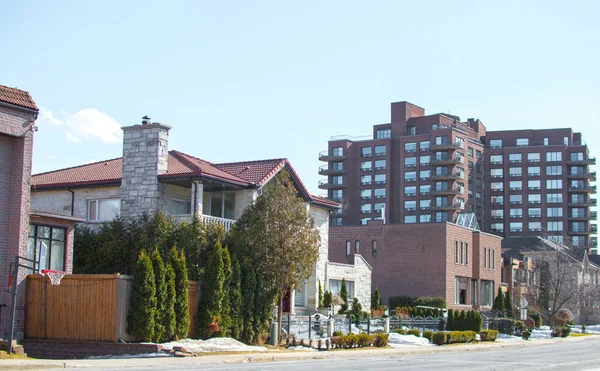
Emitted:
pixel 330 327
pixel 309 326
pixel 369 324
pixel 349 325
pixel 288 324
pixel 386 325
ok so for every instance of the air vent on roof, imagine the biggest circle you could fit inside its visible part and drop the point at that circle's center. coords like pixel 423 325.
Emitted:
pixel 146 120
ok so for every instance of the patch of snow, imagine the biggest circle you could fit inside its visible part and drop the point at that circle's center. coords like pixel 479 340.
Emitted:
pixel 504 337
pixel 213 345
pixel 592 329
pixel 398 339
pixel 543 333
pixel 127 356
pixel 304 349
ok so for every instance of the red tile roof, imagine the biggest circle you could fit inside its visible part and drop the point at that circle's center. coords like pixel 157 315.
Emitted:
pixel 181 163
pixel 17 97
pixel 256 172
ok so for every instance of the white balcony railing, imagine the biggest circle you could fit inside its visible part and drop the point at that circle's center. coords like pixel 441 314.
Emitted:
pixel 207 219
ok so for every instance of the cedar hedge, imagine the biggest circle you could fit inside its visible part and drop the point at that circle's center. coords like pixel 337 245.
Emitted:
pixel 488 335
pixel 428 335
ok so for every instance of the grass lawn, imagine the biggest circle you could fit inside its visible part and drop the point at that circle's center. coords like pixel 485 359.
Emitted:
pixel 574 334
pixel 4 355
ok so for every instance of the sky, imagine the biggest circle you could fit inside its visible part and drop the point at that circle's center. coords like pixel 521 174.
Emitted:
pixel 250 80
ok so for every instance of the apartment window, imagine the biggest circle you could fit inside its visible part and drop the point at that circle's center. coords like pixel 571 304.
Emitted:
pixel 410 205
pixel 493 259
pixel 411 130
pixel 553 183
pixel 366 151
pixel 557 239
pixel 477 154
pixel 425 174
pixel 180 206
pixel 554 198
pixel 496 143
pixel 357 247
pixel 365 208
pixel 380 165
pixel 441 170
pixel 410 191
pixel 497 186
pixel 424 145
pixel 374 248
pixel 554 170
pixel 338 179
pixel 410 147
pixel 441 140
pixel 576 156
pixel 534 184
pixel 515 185
pixel 380 178
pixel 425 218
pixel 366 165
pixel 516 199
pixel 522 142
pixel 380 193
pixel 577 170
pixel 378 206
pixel 441 156
pixel 410 161
pixel 441 201
pixel 410 176
pixel 516 213
pixel 535 212
pixel 424 160
pixel 424 204
pixel 365 194
pixel 496 159
pixel 533 157
pixel 441 186
pixel 410 219
pixel 383 133
pixel 553 156
pixel 496 173
pixel 460 142
pixel 365 179
pixel 554 226
pixel 497 200
pixel 577 199
pixel 470 152
pixel 515 158
pixel 516 227
pixel 533 171
pixel 348 251
pixel 336 221
pixel 566 141
pixel 380 150
pixel 497 214
pixel 579 241
pixel 578 212
pixel 535 226
pixel 545 141
pixel 425 189
pixel 337 151
pixel 515 171
pixel 554 212
pixel 103 210
pixel 441 216
pixel 534 198
pixel 576 184
pixel 497 227
pixel 338 165
pixel 47 245
pixel 456 252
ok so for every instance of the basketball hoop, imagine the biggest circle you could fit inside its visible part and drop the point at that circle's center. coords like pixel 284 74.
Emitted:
pixel 55 276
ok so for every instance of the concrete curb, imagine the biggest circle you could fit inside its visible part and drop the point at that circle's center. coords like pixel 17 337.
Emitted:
pixel 274 356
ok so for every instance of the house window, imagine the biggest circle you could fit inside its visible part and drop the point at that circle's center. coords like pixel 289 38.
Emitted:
pixel 470 152
pixel 103 210
pixel 410 191
pixel 335 286
pixel 378 206
pixel 496 173
pixel 383 133
pixel 336 194
pixel 461 290
pixel 533 171
pixel 555 226
pixel 487 293
pixel 336 222
pixel 380 150
pixel 515 199
pixel 485 254
pixel 47 245
pixel 576 156
pixel 347 248
pixel 374 248
pixel 515 185
pixel 221 204
pixel 424 204
pixel 366 152
pixel 498 186
pixel 357 247
pixel 180 206
pixel 554 212
pixel 516 227
pixel 410 205
pixel 497 214
pixel 365 208
pixel 497 200
pixel 497 227
pixel 535 226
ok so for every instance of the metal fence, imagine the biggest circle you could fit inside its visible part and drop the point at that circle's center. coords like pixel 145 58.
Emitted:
pixel 421 323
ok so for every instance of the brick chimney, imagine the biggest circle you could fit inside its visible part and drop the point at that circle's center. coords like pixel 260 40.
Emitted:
pixel 145 157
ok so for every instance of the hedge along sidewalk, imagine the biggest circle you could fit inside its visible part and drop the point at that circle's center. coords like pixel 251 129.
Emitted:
pixel 275 356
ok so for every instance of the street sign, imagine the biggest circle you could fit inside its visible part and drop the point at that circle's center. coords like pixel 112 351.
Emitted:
pixel 524 303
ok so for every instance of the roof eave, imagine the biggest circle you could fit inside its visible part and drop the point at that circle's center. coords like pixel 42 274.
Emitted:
pixel 59 186
pixel 19 107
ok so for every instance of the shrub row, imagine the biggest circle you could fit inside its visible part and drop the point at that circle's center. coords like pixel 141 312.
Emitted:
pixel 359 341
pixel 451 337
pixel 488 335
pixel 464 320
pixel 407 301
pixel 507 326
pixel 561 331
pixel 418 312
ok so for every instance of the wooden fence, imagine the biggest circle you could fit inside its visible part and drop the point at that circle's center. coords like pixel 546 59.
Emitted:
pixel 90 307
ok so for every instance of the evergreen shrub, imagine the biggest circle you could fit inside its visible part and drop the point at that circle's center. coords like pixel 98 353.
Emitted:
pixel 488 335
pixel 428 335
pixel 414 331
pixel 142 312
pixel 439 338
pixel 381 340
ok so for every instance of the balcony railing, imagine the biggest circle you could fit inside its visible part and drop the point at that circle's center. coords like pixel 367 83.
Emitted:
pixel 583 216
pixel 582 161
pixel 207 219
pixel 334 170
pixel 331 156
pixel 325 184
pixel 581 188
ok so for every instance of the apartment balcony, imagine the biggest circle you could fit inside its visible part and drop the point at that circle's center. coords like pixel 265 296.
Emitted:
pixel 457 160
pixel 591 175
pixel 330 156
pixel 592 215
pixel 449 176
pixel 448 207
pixel 447 191
pixel 582 189
pixel 590 202
pixel 585 161
pixel 325 184
pixel 326 170
pixel 446 146
pixel 207 219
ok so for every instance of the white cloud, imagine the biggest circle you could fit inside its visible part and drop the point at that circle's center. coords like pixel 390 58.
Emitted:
pixel 46 116
pixel 72 138
pixel 91 124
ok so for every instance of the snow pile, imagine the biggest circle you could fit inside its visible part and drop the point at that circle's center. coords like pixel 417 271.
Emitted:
pixel 213 345
pixel 301 348
pixel 398 339
pixel 592 329
pixel 504 337
pixel 543 333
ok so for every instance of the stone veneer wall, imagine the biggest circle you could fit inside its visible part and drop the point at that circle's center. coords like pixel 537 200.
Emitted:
pixel 145 156
pixel 359 273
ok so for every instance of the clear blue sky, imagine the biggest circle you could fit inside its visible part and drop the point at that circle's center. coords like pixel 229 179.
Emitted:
pixel 263 79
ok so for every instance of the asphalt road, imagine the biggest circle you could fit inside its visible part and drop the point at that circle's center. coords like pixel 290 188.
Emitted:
pixel 572 356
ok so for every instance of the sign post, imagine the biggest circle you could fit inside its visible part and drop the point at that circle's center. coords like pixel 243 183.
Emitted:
pixel 524 305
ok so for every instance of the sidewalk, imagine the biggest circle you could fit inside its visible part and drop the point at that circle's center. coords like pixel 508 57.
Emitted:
pixel 272 356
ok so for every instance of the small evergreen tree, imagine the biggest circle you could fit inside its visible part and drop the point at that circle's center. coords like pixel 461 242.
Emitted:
pixel 235 291
pixel 462 321
pixel 450 320
pixel 226 320
pixel 508 307
pixel 182 310
pixel 499 303
pixel 376 300
pixel 327 299
pixel 470 321
pixel 140 319
pixel 478 322
pixel 161 295
pixel 344 297
pixel 248 292
pixel 209 310
pixel 168 317
pixel 355 313
pixel 320 303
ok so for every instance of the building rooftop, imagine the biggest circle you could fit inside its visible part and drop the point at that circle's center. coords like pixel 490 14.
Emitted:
pixel 17 97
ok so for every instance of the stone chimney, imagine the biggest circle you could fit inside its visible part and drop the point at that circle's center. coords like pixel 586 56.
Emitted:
pixel 145 157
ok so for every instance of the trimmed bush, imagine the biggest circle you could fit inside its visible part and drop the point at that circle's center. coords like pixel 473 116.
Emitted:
pixel 526 334
pixel 431 301
pixel 141 316
pixel 182 310
pixel 488 335
pixel 161 296
pixel 503 325
pixel 557 332
pixel 399 331
pixel 338 333
pixel 460 337
pixel 344 297
pixel 428 335
pixel 400 301
pixel 566 330
pixel 327 299
pixel 519 327
pixel 439 338
pixel 537 318
pixel 381 340
pixel 364 340
pixel 414 331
